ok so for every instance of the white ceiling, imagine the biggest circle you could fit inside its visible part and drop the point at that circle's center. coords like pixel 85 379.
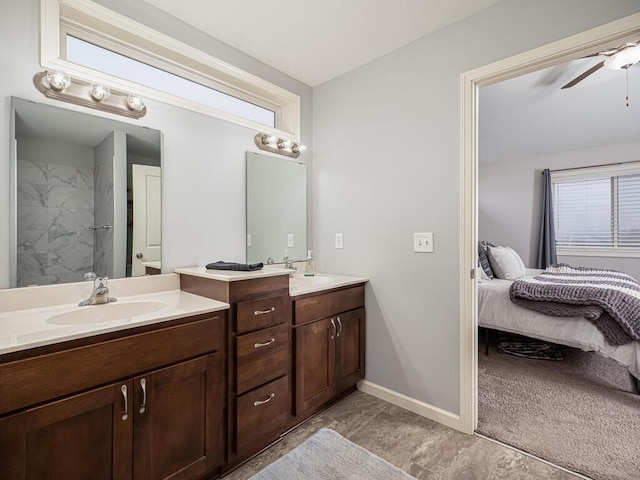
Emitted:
pixel 317 40
pixel 530 115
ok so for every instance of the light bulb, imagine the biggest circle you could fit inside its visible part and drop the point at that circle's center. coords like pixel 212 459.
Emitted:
pixel 298 148
pixel 58 81
pixel 99 92
pixel 284 143
pixel 135 103
pixel 269 139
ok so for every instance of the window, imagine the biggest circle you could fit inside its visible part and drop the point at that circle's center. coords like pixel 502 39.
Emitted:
pixel 597 210
pixel 92 56
pixel 91 42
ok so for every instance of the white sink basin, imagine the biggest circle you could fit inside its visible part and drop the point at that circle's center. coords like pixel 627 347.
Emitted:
pixel 105 313
pixel 302 281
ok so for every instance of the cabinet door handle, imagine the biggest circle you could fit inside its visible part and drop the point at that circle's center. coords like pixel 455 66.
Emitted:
pixel 265 344
pixel 125 412
pixel 143 405
pixel 257 403
pixel 264 312
pixel 333 329
pixel 339 325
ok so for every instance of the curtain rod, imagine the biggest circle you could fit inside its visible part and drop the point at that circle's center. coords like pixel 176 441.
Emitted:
pixel 592 166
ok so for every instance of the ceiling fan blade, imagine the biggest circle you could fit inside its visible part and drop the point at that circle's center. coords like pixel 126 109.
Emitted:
pixel 584 75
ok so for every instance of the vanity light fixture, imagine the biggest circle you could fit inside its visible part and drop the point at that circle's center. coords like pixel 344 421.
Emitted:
pixel 273 144
pixel 60 86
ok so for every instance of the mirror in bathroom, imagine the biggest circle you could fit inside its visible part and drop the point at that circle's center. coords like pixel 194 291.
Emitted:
pixel 86 196
pixel 276 209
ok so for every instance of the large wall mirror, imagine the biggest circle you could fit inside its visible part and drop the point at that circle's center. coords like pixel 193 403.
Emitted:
pixel 276 209
pixel 86 196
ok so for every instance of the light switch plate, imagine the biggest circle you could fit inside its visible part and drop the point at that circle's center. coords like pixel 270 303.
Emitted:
pixel 339 240
pixel 423 242
pixel 290 240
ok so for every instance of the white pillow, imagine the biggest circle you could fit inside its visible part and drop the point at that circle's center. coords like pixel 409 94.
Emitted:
pixel 506 263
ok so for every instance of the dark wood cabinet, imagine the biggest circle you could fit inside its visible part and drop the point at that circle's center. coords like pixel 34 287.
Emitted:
pixel 178 417
pixel 84 436
pixel 259 361
pixel 164 423
pixel 329 353
pixel 349 349
pixel 315 364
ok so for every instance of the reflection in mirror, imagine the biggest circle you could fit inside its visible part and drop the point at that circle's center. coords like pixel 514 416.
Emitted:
pixel 87 196
pixel 276 209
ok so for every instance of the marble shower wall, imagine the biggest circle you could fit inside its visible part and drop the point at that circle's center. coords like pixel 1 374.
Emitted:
pixel 104 207
pixel 55 207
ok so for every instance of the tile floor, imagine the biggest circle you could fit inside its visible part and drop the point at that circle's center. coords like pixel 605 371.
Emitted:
pixel 425 449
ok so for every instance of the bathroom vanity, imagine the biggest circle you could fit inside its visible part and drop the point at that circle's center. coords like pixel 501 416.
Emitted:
pixel 139 396
pixel 184 376
pixel 295 345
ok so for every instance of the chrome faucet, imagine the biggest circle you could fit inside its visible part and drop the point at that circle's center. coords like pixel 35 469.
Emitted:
pixel 100 293
pixel 289 264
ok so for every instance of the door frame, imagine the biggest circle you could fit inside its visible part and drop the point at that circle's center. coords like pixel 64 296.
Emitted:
pixel 596 39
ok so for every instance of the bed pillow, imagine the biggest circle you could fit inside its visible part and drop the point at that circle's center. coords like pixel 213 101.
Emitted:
pixel 483 261
pixel 506 263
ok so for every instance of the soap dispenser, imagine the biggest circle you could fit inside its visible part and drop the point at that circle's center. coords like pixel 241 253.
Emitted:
pixel 310 268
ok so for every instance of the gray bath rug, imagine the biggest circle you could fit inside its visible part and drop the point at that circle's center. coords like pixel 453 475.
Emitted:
pixel 328 456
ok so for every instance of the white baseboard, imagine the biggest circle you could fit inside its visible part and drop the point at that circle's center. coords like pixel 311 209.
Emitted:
pixel 416 406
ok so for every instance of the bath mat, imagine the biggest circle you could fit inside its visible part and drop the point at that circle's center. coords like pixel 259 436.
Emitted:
pixel 329 456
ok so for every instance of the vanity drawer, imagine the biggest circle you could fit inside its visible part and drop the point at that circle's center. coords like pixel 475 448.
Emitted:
pixel 263 312
pixel 327 304
pixel 261 356
pixel 46 377
pixel 261 415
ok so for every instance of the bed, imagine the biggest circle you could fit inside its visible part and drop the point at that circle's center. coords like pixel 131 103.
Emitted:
pixel 497 312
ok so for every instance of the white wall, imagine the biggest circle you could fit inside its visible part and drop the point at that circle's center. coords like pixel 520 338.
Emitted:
pixel 510 196
pixel 203 201
pixel 386 164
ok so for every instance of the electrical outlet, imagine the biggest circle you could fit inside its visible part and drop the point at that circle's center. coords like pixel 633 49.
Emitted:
pixel 248 239
pixel 339 242
pixel 423 242
pixel 290 240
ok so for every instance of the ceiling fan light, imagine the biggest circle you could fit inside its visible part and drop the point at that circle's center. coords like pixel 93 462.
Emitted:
pixel 628 56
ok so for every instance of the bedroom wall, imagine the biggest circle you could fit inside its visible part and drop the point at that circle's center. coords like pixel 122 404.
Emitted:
pixel 387 164
pixel 510 194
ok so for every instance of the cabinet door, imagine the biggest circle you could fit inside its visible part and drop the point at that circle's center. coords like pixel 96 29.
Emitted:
pixel 84 436
pixel 350 343
pixel 178 420
pixel 315 364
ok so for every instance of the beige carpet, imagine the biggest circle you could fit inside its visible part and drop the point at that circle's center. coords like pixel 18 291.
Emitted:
pixel 579 413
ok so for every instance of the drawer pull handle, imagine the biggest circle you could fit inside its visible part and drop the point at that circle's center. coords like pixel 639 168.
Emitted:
pixel 143 385
pixel 125 412
pixel 264 312
pixel 340 327
pixel 333 328
pixel 257 403
pixel 265 344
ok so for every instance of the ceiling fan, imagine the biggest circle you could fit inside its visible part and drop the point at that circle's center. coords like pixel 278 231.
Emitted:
pixel 620 57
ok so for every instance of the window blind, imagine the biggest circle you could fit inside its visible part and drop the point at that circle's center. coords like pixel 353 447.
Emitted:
pixel 597 212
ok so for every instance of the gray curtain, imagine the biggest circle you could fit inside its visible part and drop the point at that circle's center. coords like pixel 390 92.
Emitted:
pixel 547 245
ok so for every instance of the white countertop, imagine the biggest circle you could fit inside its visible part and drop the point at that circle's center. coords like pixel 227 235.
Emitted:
pixel 301 285
pixel 232 276
pixel 28 328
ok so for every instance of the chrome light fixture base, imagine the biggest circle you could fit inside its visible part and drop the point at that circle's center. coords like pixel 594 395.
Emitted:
pixel 79 92
pixel 281 146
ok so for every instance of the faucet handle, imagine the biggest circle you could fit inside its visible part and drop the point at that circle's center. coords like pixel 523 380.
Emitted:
pixel 101 282
pixel 90 276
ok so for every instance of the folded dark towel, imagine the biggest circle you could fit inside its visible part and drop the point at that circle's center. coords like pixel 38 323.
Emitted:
pixel 238 267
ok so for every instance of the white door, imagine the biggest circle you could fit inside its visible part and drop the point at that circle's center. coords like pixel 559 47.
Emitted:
pixel 147 232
